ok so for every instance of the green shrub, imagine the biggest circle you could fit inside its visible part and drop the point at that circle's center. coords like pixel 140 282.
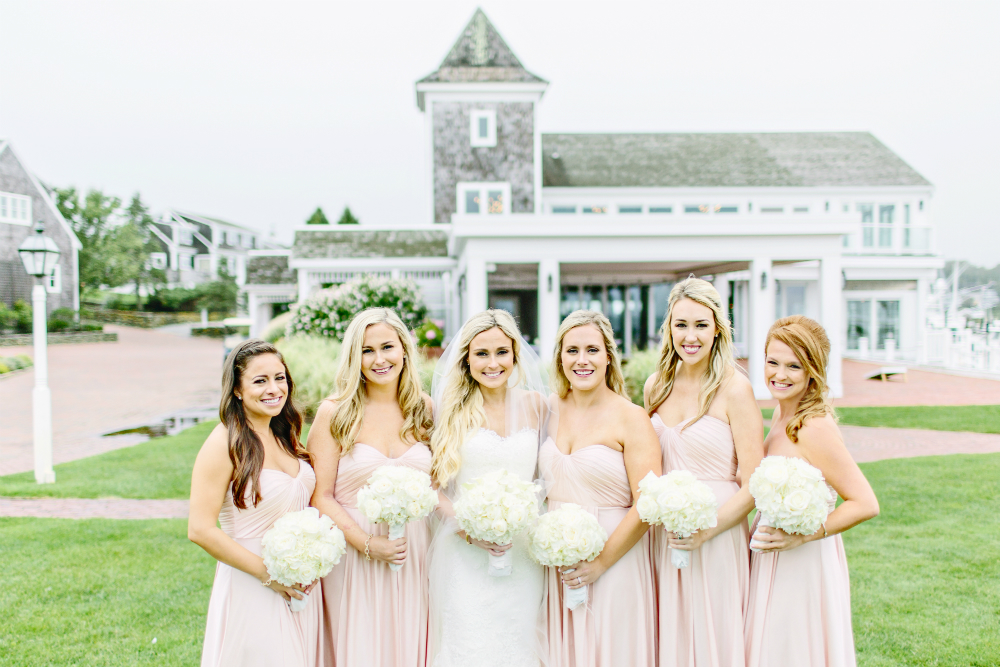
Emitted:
pixel 4 369
pixel 22 316
pixel 90 326
pixel 12 363
pixel 637 369
pixel 8 318
pixel 276 327
pixel 66 314
pixel 55 326
pixel 329 311
pixel 25 360
pixel 429 335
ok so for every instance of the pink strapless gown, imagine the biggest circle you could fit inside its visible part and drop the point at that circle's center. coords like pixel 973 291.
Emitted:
pixel 800 606
pixel 375 616
pixel 702 606
pixel 618 625
pixel 249 625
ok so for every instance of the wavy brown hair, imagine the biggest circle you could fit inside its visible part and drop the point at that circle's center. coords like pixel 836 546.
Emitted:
pixel 614 377
pixel 811 346
pixel 246 450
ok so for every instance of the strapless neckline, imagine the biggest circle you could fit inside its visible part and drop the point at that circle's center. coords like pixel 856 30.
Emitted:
pixel 656 415
pixel 392 458
pixel 577 451
pixel 295 476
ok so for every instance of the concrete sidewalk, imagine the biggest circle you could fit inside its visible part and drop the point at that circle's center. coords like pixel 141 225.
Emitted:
pixel 104 387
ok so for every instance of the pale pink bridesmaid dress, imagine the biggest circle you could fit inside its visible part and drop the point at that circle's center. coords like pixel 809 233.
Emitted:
pixel 375 616
pixel 250 625
pixel 702 606
pixel 618 625
pixel 800 606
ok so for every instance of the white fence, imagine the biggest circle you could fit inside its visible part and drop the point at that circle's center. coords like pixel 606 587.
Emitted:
pixel 963 349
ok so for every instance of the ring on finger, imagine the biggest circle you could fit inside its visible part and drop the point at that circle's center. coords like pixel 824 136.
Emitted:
pixel 578 582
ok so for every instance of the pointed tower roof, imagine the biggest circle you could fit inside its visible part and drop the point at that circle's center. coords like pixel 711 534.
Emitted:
pixel 480 56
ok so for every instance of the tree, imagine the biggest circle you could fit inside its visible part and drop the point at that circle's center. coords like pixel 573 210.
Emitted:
pixel 219 296
pixel 347 218
pixel 140 225
pixel 91 221
pixel 318 218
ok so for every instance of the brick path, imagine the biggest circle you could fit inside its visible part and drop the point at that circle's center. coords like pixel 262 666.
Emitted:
pixel 105 387
pixel 104 508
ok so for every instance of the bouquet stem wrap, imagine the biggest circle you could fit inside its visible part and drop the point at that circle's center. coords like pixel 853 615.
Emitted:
pixel 501 566
pixel 298 605
pixel 680 559
pixel 574 597
pixel 566 536
pixel 764 521
pixel 396 531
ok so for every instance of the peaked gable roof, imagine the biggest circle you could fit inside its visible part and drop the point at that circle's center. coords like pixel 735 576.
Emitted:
pixel 44 194
pixel 780 159
pixel 481 55
pixel 359 242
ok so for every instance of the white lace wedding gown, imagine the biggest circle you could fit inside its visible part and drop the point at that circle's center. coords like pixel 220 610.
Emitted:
pixel 483 620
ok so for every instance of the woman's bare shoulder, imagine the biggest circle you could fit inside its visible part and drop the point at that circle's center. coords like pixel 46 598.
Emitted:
pixel 819 431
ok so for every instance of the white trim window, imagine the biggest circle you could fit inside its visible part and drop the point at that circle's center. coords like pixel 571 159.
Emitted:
pixel 484 198
pixel 599 209
pixel 53 281
pixel 483 128
pixel 203 263
pixel 15 209
pixel 158 260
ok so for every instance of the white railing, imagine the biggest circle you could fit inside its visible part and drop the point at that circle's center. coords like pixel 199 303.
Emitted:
pixel 963 349
pixel 882 239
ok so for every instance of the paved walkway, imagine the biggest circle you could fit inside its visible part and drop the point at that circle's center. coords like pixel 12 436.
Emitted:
pixel 105 387
pixel 104 508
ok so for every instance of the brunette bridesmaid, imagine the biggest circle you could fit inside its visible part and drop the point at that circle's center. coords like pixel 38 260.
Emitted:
pixel 704 412
pixel 377 416
pixel 599 446
pixel 800 592
pixel 250 472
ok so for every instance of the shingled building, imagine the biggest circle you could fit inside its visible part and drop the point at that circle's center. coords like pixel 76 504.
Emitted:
pixel 833 225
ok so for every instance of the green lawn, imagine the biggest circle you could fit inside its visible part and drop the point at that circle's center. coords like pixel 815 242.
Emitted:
pixel 975 418
pixel 924 578
pixel 96 593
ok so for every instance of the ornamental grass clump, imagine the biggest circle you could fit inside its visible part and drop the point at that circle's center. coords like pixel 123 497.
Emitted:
pixel 329 311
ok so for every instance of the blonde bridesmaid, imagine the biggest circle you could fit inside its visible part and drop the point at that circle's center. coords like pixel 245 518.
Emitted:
pixel 599 446
pixel 800 591
pixel 704 412
pixel 378 416
pixel 250 472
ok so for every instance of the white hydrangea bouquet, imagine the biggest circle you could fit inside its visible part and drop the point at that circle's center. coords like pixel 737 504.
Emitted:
pixel 396 495
pixel 496 508
pixel 790 494
pixel 680 503
pixel 567 536
pixel 300 548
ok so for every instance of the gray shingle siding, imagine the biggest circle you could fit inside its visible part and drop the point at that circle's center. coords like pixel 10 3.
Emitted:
pixel 455 159
pixel 790 159
pixel 270 270
pixel 336 244
pixel 14 282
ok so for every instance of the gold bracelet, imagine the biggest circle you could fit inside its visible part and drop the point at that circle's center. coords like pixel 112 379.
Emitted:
pixel 267 583
pixel 367 543
pixel 468 538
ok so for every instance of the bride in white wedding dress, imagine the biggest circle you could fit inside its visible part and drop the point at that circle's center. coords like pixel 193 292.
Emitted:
pixel 489 410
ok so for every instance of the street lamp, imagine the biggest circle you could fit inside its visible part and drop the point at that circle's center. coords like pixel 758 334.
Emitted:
pixel 39 254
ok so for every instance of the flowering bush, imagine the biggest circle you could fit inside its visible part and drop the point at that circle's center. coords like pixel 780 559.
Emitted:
pixel 790 494
pixel 302 547
pixel 329 311
pixel 429 335
pixel 680 503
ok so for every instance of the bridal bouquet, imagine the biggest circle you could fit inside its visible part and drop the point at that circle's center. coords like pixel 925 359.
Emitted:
pixel 790 494
pixel 566 536
pixel 680 503
pixel 496 508
pixel 396 495
pixel 300 548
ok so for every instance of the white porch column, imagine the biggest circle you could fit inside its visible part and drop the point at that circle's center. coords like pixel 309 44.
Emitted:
pixel 722 287
pixel 760 293
pixel 628 321
pixel 548 306
pixel 922 290
pixel 474 299
pixel 831 306
pixel 303 284
pixel 253 309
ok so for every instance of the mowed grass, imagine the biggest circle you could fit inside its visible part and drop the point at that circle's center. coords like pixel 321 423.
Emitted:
pixel 925 575
pixel 158 468
pixel 974 418
pixel 924 578
pixel 97 592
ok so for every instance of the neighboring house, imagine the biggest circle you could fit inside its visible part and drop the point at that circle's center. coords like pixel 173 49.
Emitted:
pixel 23 202
pixel 833 225
pixel 193 247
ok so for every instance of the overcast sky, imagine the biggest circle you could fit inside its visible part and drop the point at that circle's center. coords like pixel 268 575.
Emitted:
pixel 258 112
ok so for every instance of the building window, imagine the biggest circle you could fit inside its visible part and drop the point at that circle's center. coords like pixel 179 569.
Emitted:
pixel 800 209
pixel 158 260
pixel 772 209
pixel 867 212
pixel 564 209
pixel 727 209
pixel 631 208
pixel 247 241
pixel 187 237
pixel 661 209
pixel 595 209
pixel 53 282
pixel 858 322
pixel 696 208
pixel 484 128
pixel 886 213
pixel 888 323
pixel 484 198
pixel 15 209
pixel 203 264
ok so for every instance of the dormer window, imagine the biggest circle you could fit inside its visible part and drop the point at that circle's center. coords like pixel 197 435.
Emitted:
pixel 484 128
pixel 15 209
pixel 484 198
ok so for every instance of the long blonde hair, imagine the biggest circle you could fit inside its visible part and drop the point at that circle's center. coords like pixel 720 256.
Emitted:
pixel 811 346
pixel 722 357
pixel 350 393
pixel 461 404
pixel 614 377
